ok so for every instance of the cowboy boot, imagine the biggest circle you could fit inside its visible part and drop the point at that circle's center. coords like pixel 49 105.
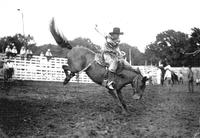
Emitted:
pixel 110 82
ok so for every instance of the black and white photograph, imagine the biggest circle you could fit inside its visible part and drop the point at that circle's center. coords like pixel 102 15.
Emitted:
pixel 100 69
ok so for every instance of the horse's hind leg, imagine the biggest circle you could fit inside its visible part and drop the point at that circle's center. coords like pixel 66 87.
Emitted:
pixel 116 99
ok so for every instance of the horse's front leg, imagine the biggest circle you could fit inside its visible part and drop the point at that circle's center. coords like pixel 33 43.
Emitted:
pixel 68 74
pixel 123 103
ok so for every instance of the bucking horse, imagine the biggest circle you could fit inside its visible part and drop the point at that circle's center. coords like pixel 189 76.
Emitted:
pixel 83 59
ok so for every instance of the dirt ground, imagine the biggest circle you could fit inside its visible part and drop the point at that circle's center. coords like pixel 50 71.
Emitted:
pixel 51 110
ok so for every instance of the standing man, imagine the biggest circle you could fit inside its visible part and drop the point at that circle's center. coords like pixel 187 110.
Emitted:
pixel 181 77
pixel 8 52
pixel 158 75
pixel 168 75
pixel 9 69
pixel 190 80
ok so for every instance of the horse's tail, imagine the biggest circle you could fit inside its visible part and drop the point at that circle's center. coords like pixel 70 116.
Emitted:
pixel 59 38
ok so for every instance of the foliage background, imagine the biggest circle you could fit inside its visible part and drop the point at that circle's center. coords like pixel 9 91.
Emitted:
pixel 170 46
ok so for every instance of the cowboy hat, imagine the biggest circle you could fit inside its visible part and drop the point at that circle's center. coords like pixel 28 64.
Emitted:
pixel 116 30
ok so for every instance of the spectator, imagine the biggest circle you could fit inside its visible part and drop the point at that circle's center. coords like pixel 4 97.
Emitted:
pixel 158 75
pixel 1 63
pixel 190 80
pixel 29 54
pixel 48 54
pixel 9 70
pixel 197 78
pixel 42 54
pixel 181 77
pixel 8 52
pixel 14 51
pixel 23 52
pixel 197 81
pixel 168 74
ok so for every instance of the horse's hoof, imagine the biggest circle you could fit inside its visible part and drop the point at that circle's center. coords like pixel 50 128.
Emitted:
pixel 136 97
pixel 64 83
pixel 126 113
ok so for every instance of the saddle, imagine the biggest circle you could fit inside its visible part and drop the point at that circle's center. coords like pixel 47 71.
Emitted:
pixel 99 58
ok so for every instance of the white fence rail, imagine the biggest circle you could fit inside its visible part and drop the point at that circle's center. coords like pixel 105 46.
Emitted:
pixel 39 69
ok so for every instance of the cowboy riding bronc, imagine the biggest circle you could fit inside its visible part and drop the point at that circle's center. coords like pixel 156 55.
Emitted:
pixel 111 53
pixel 112 56
pixel 83 59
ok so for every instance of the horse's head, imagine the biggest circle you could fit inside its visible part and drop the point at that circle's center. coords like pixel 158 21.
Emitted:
pixel 139 85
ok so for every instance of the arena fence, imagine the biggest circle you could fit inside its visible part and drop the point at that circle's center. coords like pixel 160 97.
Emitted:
pixel 40 69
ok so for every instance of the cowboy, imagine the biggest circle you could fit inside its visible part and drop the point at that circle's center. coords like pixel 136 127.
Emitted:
pixel 111 53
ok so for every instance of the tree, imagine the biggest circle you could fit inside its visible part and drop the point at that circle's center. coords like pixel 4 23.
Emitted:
pixel 137 58
pixel 153 54
pixel 168 46
pixel 192 52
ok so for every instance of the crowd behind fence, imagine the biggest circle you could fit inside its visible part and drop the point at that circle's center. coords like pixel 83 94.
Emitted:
pixel 39 68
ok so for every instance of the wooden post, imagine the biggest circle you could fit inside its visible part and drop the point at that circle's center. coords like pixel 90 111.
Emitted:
pixel 145 62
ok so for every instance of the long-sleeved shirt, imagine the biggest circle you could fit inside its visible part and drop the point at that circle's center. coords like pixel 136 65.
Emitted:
pixel 8 49
pixel 112 45
pixel 168 73
pixel 23 51
pixel 14 50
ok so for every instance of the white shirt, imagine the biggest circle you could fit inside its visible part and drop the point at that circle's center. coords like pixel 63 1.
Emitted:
pixel 168 67
pixel 10 64
pixel 22 51
pixel 14 50
pixel 181 75
pixel 42 54
pixel 48 53
pixel 29 52
pixel 8 49
pixel 168 74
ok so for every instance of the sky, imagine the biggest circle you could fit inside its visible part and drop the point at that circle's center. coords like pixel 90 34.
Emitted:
pixel 140 20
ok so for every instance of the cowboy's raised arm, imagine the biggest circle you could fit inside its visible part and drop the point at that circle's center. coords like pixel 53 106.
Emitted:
pixel 97 30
